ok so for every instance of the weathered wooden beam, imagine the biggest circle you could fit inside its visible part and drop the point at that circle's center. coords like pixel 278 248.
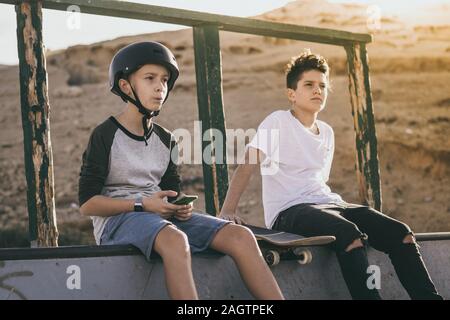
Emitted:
pixel 367 166
pixel 139 11
pixel 208 69
pixel 36 125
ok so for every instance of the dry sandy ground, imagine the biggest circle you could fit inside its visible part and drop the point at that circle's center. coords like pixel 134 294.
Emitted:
pixel 410 73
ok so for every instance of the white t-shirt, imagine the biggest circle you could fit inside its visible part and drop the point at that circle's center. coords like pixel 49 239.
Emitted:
pixel 297 164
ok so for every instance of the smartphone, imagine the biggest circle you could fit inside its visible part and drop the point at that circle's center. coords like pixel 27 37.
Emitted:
pixel 185 199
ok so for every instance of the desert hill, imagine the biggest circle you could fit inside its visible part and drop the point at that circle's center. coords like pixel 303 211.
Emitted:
pixel 410 72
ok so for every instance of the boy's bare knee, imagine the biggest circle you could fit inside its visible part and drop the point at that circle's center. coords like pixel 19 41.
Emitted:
pixel 409 239
pixel 241 238
pixel 357 243
pixel 241 235
pixel 171 241
pixel 247 235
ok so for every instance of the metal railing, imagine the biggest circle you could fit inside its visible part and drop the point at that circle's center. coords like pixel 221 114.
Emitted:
pixel 208 65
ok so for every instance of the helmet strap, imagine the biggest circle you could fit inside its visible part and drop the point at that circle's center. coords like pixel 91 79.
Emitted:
pixel 146 113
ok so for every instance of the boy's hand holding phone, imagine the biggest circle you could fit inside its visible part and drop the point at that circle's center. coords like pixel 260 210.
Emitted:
pixel 186 201
pixel 157 203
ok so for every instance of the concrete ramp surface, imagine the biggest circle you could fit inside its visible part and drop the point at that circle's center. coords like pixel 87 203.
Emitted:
pixel 121 272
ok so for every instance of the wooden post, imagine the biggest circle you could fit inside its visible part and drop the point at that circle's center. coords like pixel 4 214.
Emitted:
pixel 208 68
pixel 367 167
pixel 146 12
pixel 36 125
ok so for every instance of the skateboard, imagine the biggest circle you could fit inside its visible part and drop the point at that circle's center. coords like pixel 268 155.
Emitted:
pixel 276 245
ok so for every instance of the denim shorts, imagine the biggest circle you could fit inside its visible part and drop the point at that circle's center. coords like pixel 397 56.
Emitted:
pixel 141 228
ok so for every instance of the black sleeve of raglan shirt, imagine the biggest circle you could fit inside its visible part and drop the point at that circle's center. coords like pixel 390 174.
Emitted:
pixel 171 179
pixel 95 162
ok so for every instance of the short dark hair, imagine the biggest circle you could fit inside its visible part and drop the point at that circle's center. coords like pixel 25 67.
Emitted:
pixel 306 61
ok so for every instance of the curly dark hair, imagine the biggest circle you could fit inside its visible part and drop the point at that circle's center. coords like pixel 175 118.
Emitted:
pixel 306 61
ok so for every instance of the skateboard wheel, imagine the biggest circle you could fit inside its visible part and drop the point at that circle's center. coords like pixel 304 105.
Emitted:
pixel 272 257
pixel 305 256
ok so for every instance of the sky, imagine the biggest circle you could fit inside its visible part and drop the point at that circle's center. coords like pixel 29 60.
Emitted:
pixel 58 35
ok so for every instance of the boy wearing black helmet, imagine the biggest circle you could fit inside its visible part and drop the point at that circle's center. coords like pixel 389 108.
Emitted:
pixel 129 170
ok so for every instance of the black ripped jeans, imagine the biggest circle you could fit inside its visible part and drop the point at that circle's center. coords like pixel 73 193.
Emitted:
pixel 348 222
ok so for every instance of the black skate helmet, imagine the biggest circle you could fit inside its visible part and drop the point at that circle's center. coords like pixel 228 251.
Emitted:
pixel 129 59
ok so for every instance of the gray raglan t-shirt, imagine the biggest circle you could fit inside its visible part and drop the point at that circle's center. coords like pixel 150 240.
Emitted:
pixel 119 164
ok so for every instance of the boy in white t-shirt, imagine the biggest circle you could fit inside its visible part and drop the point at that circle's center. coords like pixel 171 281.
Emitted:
pixel 294 151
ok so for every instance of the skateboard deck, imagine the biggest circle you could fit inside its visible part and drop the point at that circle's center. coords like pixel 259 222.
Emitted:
pixel 276 245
